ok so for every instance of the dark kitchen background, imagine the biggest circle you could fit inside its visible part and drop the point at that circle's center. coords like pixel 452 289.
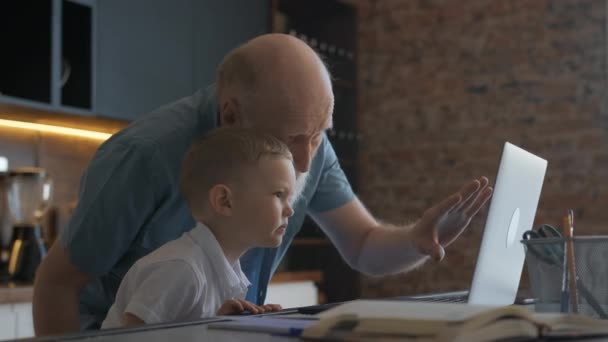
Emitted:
pixel 426 93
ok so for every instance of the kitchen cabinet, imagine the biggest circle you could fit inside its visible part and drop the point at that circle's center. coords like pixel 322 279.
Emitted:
pixel 220 26
pixel 154 52
pixel 25 66
pixel 330 27
pixel 283 294
pixel 16 321
pixel 45 62
pixel 118 58
pixel 8 322
pixel 144 55
pixel 306 284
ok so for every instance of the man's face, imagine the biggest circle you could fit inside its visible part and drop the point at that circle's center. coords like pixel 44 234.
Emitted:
pixel 300 124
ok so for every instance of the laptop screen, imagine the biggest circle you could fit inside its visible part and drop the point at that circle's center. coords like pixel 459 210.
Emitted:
pixel 512 211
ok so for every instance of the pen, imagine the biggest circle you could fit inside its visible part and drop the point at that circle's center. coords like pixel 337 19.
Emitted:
pixel 571 264
pixel 292 332
pixel 565 296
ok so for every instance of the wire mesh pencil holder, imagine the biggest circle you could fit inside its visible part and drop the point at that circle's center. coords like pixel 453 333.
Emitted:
pixel 549 275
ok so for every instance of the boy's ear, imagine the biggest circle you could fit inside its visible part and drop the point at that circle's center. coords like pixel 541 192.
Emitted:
pixel 220 198
pixel 230 113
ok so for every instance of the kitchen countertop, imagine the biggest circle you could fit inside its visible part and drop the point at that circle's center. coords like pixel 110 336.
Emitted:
pixel 11 293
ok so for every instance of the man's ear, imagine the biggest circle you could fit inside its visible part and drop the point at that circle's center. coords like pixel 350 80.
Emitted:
pixel 220 198
pixel 230 113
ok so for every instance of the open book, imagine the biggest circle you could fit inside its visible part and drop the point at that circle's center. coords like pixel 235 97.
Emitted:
pixel 374 320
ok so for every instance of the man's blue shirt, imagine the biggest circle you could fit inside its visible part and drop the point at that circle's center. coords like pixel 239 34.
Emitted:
pixel 130 202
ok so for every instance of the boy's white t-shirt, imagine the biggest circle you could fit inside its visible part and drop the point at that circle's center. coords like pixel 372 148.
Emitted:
pixel 185 279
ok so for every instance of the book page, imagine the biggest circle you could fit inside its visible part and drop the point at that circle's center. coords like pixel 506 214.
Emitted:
pixel 424 319
pixel 574 325
pixel 507 329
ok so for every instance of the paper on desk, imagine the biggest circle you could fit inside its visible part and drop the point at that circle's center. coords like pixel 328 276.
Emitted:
pixel 406 310
pixel 271 325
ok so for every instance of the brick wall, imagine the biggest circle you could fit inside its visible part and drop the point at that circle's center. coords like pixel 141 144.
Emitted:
pixel 444 83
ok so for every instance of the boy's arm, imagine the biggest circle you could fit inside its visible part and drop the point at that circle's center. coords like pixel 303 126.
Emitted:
pixel 130 320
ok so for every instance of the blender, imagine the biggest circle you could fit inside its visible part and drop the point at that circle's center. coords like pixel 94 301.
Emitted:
pixel 28 194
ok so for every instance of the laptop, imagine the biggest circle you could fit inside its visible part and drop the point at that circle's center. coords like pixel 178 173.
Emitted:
pixel 501 256
pixel 512 211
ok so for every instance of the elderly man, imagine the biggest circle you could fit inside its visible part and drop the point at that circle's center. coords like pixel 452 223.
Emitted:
pixel 130 203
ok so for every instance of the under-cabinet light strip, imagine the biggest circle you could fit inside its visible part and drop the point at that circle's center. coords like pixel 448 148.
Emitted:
pixel 55 129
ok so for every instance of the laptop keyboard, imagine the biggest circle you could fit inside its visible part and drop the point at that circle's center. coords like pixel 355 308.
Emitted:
pixel 446 297
pixel 450 297
pixel 442 299
pixel 458 297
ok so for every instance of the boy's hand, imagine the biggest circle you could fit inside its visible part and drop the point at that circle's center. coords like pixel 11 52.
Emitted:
pixel 272 307
pixel 130 320
pixel 236 306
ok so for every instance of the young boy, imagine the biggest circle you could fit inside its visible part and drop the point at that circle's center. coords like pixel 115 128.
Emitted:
pixel 239 186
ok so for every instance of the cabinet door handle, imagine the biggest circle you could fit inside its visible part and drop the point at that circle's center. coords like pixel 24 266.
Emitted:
pixel 66 72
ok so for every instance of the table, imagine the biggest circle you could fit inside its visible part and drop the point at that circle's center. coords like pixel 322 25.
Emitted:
pixel 182 332
pixel 193 331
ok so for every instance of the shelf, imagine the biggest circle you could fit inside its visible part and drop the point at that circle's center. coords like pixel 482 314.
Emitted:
pixel 310 242
pixel 287 277
pixel 330 28
pixel 51 117
pixel 345 84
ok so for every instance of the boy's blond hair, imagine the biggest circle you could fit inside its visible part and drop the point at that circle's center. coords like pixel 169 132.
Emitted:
pixel 221 156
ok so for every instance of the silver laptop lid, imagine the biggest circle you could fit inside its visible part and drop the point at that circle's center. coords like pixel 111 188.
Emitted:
pixel 512 211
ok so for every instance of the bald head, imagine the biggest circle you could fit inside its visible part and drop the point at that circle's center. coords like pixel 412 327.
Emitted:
pixel 277 65
pixel 276 83
pixel 283 58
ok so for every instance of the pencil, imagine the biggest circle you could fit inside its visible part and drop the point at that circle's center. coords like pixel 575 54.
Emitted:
pixel 568 233
pixel 565 296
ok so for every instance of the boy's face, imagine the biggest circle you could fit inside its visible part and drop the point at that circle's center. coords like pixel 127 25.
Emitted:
pixel 262 203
